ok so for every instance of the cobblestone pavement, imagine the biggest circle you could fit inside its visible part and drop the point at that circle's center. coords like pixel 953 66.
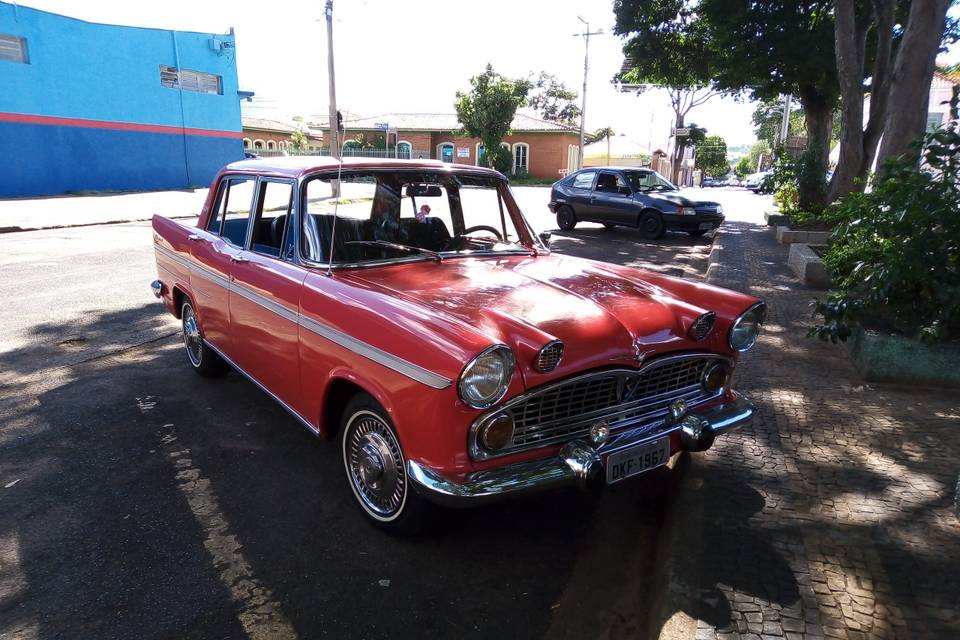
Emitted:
pixel 833 516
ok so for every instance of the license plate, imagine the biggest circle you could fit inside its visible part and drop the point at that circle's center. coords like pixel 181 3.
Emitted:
pixel 706 225
pixel 630 462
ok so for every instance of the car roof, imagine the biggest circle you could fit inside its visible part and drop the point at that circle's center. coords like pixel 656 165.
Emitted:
pixel 297 166
pixel 615 168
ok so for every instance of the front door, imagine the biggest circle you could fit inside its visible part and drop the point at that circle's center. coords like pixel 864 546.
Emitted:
pixel 446 152
pixel 214 250
pixel 265 295
pixel 612 202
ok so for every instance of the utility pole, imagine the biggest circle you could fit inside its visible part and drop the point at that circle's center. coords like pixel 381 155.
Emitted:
pixel 334 131
pixel 586 67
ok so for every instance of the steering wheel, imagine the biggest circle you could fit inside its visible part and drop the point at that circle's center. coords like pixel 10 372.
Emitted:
pixel 482 227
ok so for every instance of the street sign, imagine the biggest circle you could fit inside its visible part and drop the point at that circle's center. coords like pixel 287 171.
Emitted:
pixel 381 125
pixel 685 131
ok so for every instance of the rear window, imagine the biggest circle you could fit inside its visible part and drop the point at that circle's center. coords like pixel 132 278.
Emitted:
pixel 584 180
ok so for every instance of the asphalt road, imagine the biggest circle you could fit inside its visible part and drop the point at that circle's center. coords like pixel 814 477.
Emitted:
pixel 142 501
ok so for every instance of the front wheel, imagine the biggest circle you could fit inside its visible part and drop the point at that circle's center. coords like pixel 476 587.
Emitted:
pixel 204 360
pixel 566 219
pixel 651 225
pixel 376 468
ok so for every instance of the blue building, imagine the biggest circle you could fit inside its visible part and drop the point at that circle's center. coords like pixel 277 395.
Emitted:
pixel 97 107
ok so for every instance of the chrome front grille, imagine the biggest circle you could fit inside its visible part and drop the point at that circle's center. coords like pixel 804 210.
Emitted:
pixel 565 410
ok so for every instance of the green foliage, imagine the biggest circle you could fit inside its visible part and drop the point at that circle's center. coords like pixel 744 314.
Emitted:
pixel 553 100
pixel 711 156
pixel 598 135
pixel 760 156
pixel 743 168
pixel 793 176
pixel 298 142
pixel 895 257
pixel 487 110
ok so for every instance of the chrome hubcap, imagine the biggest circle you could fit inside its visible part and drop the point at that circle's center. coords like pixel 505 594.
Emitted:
pixel 375 464
pixel 191 337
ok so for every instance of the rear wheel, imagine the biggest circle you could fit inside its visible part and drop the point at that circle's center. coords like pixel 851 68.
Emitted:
pixel 203 359
pixel 651 225
pixel 376 468
pixel 566 219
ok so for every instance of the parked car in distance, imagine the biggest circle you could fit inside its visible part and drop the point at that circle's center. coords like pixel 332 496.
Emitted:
pixel 631 197
pixel 711 182
pixel 456 359
pixel 756 182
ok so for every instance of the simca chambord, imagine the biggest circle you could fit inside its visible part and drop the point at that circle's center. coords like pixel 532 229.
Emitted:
pixel 408 309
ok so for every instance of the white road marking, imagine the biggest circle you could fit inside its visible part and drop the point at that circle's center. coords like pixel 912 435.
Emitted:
pixel 260 615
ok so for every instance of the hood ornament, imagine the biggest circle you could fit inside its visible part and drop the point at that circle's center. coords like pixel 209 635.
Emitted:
pixel 639 355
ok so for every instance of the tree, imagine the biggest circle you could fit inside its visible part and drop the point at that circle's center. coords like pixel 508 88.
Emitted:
pixel 598 135
pixel 743 168
pixel 487 110
pixel 553 100
pixel 298 142
pixel 761 156
pixel 762 48
pixel 712 156
pixel 768 122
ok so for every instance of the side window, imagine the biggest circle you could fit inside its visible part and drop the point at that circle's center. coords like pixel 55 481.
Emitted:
pixel 236 207
pixel 584 180
pixel 607 182
pixel 216 216
pixel 270 223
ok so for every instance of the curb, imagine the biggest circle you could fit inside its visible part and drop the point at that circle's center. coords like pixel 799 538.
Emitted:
pixel 18 229
pixel 715 267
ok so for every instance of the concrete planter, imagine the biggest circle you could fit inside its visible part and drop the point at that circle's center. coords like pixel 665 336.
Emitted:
pixel 808 266
pixel 774 218
pixel 883 357
pixel 786 235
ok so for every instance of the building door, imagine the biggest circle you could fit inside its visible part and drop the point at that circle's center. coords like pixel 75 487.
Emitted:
pixel 445 152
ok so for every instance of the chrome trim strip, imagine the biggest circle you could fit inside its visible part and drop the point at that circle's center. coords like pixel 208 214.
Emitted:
pixel 404 367
pixel 477 453
pixel 314 430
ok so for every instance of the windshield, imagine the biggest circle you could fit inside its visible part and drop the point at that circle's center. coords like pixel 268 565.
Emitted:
pixel 395 215
pixel 649 180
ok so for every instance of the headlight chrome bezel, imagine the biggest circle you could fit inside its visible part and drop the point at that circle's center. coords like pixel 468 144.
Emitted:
pixel 759 308
pixel 498 350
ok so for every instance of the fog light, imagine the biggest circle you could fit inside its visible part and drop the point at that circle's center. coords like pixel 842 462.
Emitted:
pixel 498 434
pixel 715 378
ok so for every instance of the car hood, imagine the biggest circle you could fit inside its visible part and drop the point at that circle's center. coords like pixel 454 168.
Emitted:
pixel 605 315
pixel 679 200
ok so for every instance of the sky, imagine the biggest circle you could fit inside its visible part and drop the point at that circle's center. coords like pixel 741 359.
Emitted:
pixel 413 56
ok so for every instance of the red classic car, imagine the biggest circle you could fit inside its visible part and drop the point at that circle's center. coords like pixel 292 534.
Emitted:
pixel 408 308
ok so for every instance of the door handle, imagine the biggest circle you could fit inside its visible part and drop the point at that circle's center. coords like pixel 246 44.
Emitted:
pixel 239 258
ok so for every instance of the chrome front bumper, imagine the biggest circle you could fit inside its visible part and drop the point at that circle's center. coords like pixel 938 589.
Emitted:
pixel 578 463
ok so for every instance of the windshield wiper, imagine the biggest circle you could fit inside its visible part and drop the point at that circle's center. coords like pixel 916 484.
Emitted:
pixel 399 247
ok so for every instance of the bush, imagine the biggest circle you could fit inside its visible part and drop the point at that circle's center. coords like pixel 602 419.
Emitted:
pixel 895 256
pixel 793 176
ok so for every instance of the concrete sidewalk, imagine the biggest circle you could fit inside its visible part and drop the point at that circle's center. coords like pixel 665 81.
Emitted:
pixel 83 210
pixel 833 515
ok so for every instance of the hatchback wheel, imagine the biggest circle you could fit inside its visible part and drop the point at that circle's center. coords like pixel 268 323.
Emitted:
pixel 376 468
pixel 566 219
pixel 204 360
pixel 651 225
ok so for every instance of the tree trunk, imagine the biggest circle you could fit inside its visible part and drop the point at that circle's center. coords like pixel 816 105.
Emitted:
pixel 910 84
pixel 880 83
pixel 850 39
pixel 818 111
pixel 679 146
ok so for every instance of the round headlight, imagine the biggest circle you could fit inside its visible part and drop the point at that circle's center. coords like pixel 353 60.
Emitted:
pixel 746 328
pixel 486 378
pixel 715 378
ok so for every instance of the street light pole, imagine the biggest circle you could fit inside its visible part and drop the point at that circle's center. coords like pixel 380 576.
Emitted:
pixel 785 122
pixel 334 132
pixel 586 67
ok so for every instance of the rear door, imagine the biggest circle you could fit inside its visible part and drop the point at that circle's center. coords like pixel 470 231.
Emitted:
pixel 214 250
pixel 265 295
pixel 581 193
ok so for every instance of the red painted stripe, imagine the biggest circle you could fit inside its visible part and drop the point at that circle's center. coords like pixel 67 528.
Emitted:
pixel 24 118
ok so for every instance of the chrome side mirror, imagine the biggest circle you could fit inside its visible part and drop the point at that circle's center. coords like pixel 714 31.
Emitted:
pixel 545 238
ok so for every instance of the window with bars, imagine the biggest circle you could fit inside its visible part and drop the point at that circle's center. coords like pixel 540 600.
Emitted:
pixel 190 80
pixel 13 48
